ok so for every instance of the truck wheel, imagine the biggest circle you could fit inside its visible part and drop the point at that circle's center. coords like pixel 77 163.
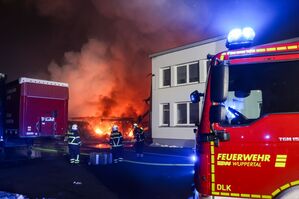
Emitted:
pixel 292 193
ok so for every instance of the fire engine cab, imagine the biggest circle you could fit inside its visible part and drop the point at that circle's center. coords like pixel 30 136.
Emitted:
pixel 248 137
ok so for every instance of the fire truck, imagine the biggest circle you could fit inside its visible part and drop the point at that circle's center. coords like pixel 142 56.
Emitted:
pixel 248 136
pixel 31 109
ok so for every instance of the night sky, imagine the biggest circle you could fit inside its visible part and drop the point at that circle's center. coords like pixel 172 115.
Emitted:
pixel 33 33
pixel 107 42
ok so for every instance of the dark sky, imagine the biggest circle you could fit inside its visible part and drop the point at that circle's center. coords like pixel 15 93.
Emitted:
pixel 107 42
pixel 33 33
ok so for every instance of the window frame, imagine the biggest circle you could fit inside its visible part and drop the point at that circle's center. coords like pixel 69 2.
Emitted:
pixel 198 75
pixel 162 115
pixel 162 77
pixel 187 112
pixel 187 73
pixel 190 113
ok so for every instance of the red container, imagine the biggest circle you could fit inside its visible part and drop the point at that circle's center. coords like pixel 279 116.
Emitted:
pixel 36 108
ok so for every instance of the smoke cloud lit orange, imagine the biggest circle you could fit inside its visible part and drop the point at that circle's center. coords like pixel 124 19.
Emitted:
pixel 101 85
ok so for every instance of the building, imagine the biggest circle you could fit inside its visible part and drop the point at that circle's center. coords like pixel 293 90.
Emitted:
pixel 175 74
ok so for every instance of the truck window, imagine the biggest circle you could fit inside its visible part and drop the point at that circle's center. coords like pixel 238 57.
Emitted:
pixel 256 90
pixel 249 106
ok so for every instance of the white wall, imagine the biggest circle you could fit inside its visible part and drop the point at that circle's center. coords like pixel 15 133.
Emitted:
pixel 174 94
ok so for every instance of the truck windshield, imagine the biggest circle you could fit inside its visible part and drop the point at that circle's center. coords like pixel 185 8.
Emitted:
pixel 259 89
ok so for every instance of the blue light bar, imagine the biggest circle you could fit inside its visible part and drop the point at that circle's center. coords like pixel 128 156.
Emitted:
pixel 239 38
pixel 248 33
pixel 234 35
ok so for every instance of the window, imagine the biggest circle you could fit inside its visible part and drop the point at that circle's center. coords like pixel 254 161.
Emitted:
pixel 248 107
pixel 194 72
pixel 166 77
pixel 187 73
pixel 260 89
pixel 187 113
pixel 165 114
pixel 182 113
pixel 181 74
pixel 194 113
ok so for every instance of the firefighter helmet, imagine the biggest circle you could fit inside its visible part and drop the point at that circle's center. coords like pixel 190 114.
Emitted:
pixel 114 128
pixel 135 125
pixel 74 127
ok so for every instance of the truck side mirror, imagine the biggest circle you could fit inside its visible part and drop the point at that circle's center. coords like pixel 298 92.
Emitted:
pixel 219 82
pixel 217 113
pixel 195 96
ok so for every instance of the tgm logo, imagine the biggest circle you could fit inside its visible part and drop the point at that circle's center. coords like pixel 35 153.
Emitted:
pixel 47 119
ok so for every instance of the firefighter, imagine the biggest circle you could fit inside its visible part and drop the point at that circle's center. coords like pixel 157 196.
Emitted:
pixel 74 143
pixel 116 140
pixel 139 140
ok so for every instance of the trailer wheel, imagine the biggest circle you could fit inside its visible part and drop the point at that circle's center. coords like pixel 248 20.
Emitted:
pixel 292 193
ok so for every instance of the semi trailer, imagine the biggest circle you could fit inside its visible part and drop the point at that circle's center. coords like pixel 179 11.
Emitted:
pixel 31 109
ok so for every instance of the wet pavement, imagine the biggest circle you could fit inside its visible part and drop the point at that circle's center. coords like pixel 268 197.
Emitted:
pixel 161 173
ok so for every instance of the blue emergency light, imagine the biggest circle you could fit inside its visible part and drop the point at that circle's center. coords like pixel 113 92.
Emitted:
pixel 193 158
pixel 240 38
pixel 195 96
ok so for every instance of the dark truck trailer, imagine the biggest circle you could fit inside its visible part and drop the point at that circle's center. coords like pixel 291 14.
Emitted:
pixel 34 109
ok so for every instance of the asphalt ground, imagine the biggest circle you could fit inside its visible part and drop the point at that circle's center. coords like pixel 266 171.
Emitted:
pixel 161 173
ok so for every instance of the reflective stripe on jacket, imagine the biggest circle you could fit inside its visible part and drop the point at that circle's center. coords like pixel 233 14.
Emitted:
pixel 73 138
pixel 116 139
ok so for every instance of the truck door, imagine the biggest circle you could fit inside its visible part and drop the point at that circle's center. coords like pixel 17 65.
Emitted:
pixel 259 160
pixel 47 126
pixel 41 116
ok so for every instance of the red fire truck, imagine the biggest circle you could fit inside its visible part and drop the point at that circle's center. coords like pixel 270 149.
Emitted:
pixel 30 109
pixel 248 137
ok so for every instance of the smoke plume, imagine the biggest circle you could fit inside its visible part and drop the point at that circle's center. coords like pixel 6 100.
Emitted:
pixel 109 76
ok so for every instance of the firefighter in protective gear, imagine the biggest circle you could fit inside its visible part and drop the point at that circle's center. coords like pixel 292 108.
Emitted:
pixel 74 143
pixel 116 142
pixel 139 140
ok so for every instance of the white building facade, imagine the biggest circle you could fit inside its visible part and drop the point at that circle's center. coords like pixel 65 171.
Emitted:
pixel 175 74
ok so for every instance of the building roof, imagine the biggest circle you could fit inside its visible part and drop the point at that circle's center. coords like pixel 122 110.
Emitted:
pixel 199 43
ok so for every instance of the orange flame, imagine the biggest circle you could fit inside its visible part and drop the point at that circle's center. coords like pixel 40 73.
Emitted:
pixel 98 131
pixel 101 129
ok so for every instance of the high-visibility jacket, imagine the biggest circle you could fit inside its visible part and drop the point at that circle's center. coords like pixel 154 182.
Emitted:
pixel 73 138
pixel 116 139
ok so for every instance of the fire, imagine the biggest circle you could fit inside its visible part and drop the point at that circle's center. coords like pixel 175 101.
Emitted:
pixel 131 133
pixel 98 131
pixel 103 129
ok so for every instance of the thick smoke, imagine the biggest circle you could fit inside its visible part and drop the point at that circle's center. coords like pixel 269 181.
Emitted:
pixel 109 76
pixel 100 82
